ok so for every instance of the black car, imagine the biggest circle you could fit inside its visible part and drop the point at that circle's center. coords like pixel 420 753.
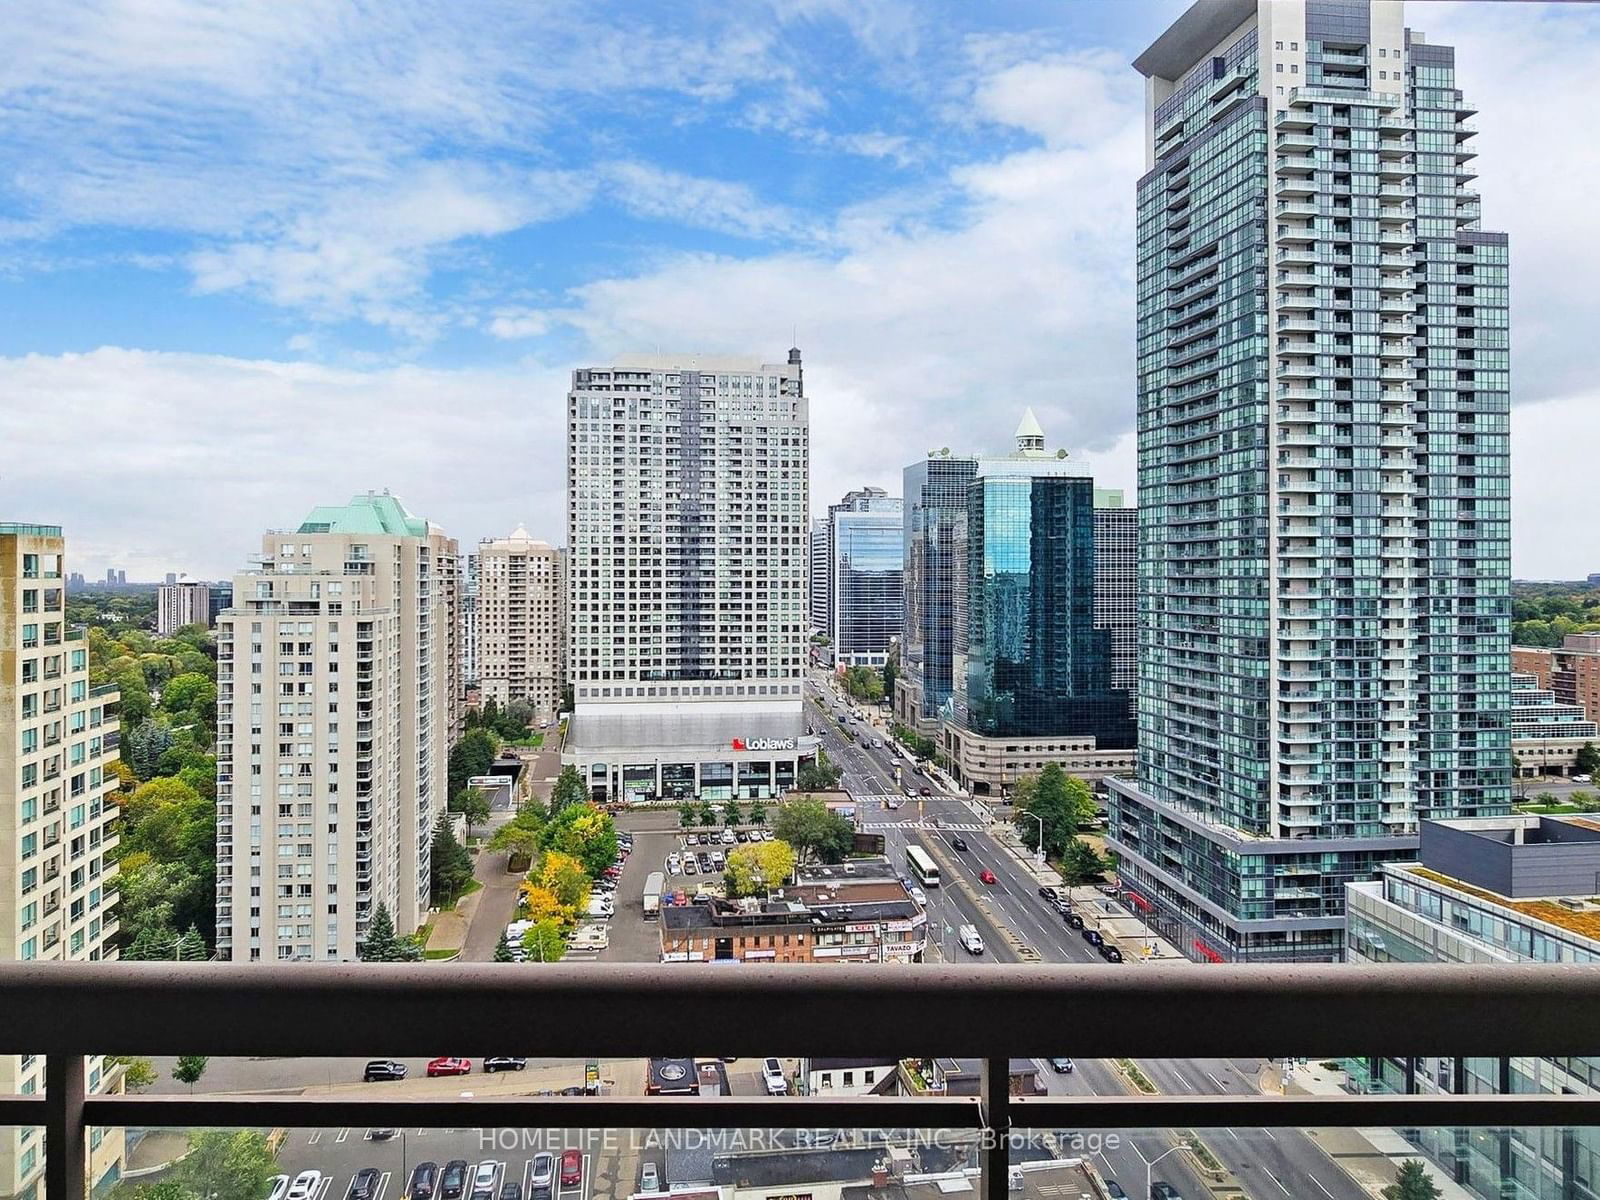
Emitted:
pixel 1110 953
pixel 1073 920
pixel 380 1069
pixel 453 1180
pixel 1114 1190
pixel 958 844
pixel 1092 936
pixel 511 1189
pixel 1162 1190
pixel 504 1062
pixel 705 862
pixel 424 1179
pixel 365 1184
pixel 1049 893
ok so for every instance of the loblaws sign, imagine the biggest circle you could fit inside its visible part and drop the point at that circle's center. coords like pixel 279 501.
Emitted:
pixel 763 743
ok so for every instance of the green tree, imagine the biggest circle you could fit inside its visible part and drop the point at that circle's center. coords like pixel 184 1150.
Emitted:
pixel 137 1073
pixel 502 949
pixel 891 670
pixel 191 692
pixel 566 697
pixel 757 868
pixel 545 942
pixel 192 947
pixel 227 1164
pixel 1081 863
pixel 731 814
pixel 519 842
pixel 473 755
pixel 472 803
pixel 813 830
pixel 708 813
pixel 688 814
pixel 449 865
pixel 587 834
pixel 1588 759
pixel 382 944
pixel 1061 802
pixel 569 790
pixel 515 720
pixel 1412 1182
pixel 757 814
pixel 819 776
pixel 145 743
pixel 189 1068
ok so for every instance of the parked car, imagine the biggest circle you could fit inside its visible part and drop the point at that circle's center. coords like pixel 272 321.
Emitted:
pixel 453 1180
pixel 449 1066
pixel 959 843
pixel 1062 905
pixel 1092 936
pixel 917 894
pixel 705 862
pixel 1073 920
pixel 542 1173
pixel 1063 1066
pixel 504 1062
pixel 1162 1190
pixel 689 867
pixel 571 1168
pixel 486 1181
pixel 987 876
pixel 1114 1190
pixel 1110 953
pixel 381 1135
pixel 277 1187
pixel 649 1178
pixel 364 1184
pixel 1049 893
pixel 424 1181
pixel 727 837
pixel 380 1069
pixel 674 865
pixel 772 1075
pixel 305 1186
pixel 511 1189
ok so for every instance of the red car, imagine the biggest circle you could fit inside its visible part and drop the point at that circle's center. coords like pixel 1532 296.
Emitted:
pixel 986 875
pixel 449 1066
pixel 571 1168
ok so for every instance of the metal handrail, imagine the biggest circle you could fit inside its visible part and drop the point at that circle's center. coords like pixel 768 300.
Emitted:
pixel 69 1011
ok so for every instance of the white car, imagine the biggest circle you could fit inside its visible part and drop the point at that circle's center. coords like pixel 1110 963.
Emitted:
pixel 649 1178
pixel 277 1188
pixel 728 837
pixel 305 1185
pixel 485 1181
pixel 718 859
pixel 920 896
pixel 674 865
pixel 772 1076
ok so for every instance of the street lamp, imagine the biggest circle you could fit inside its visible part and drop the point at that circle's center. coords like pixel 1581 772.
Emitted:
pixel 1150 1163
pixel 1038 852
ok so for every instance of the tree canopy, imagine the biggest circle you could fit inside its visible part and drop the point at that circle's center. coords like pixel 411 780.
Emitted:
pixel 1060 801
pixel 813 830
pixel 473 755
pixel 819 776
pixel 757 868
pixel 382 944
pixel 227 1164
pixel 449 864
pixel 1412 1182
pixel 569 790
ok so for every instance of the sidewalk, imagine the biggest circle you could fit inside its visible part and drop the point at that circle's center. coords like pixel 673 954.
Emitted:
pixel 1369 1156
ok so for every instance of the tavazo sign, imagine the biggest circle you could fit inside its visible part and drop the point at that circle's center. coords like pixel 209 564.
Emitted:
pixel 764 744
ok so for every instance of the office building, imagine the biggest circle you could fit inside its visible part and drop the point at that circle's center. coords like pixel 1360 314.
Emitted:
pixel 1323 478
pixel 1490 891
pixel 75 579
pixel 181 602
pixel 1031 667
pixel 688 536
pixel 219 598
pixel 865 601
pixel 935 507
pixel 521 618
pixel 336 695
pixel 469 621
pixel 58 741
pixel 1116 585
pixel 1570 670
pixel 817 580
pixel 1546 733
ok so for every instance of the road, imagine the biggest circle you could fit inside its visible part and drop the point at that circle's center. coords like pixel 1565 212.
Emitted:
pixel 1269 1164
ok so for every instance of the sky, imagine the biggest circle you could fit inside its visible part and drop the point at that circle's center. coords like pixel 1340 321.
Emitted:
pixel 260 256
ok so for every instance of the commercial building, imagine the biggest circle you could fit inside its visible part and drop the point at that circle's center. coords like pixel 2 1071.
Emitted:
pixel 1323 472
pixel 1571 670
pixel 1490 891
pixel 219 597
pixel 336 697
pixel 521 619
pixel 1031 666
pixel 866 605
pixel 1116 585
pixel 1546 734
pixel 182 602
pixel 688 535
pixel 935 507
pixel 58 741
pixel 817 579
pixel 861 912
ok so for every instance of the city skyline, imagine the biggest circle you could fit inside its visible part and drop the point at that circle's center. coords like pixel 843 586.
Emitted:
pixel 130 320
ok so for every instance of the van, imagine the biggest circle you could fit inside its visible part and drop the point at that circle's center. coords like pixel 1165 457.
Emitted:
pixel 970 940
pixel 772 1075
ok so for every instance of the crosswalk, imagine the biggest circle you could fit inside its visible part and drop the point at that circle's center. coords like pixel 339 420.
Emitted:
pixel 943 826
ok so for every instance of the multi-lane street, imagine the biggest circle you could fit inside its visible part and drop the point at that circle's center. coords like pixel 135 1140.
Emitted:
pixel 1017 925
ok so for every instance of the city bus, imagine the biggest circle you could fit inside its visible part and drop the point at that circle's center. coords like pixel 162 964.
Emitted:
pixel 922 867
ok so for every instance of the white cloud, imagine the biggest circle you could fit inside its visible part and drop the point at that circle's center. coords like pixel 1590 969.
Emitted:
pixel 717 205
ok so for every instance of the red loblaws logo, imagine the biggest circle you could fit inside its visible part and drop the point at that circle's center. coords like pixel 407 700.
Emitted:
pixel 738 744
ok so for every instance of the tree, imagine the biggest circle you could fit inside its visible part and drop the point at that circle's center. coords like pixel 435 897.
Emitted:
pixel 1412 1183
pixel 813 830
pixel 381 944
pixel 191 693
pixel 757 814
pixel 565 878
pixel 515 719
pixel 819 776
pixel 891 669
pixel 1061 803
pixel 588 835
pixel 146 742
pixel 519 842
pixel 569 790
pixel 449 865
pixel 1588 759
pixel 192 947
pixel 189 1068
pixel 1081 863
pixel 566 697
pixel 545 942
pixel 227 1164
pixel 688 814
pixel 539 903
pixel 137 1073
pixel 708 813
pixel 730 813
pixel 473 755
pixel 757 868
pixel 502 949
pixel 472 803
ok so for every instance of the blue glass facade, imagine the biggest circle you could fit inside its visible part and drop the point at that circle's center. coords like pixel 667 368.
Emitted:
pixel 935 505
pixel 868 602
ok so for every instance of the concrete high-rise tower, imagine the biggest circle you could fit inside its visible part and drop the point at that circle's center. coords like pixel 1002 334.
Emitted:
pixel 1323 471
pixel 521 617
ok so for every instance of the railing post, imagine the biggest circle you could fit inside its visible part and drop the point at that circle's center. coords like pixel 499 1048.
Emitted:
pixel 997 1122
pixel 65 1138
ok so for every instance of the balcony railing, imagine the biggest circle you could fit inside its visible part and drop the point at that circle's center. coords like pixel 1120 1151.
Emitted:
pixel 620 1010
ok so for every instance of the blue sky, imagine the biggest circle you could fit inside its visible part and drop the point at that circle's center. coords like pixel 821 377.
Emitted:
pixel 254 257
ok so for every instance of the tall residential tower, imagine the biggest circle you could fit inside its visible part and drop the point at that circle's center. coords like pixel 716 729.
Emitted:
pixel 1323 478
pixel 521 621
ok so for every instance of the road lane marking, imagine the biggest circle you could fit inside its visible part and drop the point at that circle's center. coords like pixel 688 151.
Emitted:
pixel 383 1186
pixel 316 1136
pixel 1279 1182
pixel 1318 1182
pixel 1187 1086
pixel 1216 1081
pixel 343 1133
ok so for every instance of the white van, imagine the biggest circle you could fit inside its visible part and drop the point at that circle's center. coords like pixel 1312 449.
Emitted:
pixel 970 941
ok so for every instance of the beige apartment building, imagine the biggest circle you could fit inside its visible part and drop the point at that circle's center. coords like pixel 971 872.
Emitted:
pixel 521 650
pixel 58 738
pixel 337 693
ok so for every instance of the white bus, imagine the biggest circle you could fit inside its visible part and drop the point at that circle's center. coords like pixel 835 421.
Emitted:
pixel 922 866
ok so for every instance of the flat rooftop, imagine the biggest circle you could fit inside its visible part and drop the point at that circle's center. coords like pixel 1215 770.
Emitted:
pixel 1584 922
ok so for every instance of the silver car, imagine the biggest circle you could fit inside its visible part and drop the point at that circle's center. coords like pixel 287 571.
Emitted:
pixel 543 1174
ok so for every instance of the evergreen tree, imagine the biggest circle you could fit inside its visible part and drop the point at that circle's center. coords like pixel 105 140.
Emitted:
pixel 381 944
pixel 502 949
pixel 1588 759
pixel 1412 1183
pixel 192 947
pixel 569 790
pixel 450 866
